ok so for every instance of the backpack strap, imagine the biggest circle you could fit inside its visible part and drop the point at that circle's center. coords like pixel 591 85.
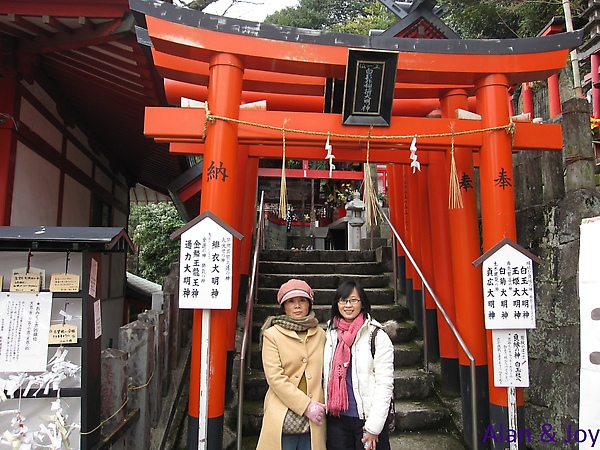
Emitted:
pixel 373 334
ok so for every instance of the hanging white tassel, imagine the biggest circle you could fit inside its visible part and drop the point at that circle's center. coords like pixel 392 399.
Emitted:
pixel 413 155
pixel 329 156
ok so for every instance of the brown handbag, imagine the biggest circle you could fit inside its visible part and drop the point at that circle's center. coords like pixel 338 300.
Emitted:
pixel 295 424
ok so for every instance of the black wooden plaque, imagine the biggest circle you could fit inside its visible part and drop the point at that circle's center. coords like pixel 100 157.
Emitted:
pixel 369 87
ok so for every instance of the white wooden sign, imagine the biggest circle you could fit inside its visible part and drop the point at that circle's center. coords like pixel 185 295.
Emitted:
pixel 205 266
pixel 511 360
pixel 508 290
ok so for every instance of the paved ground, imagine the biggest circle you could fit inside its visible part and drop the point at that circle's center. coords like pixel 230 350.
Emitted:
pixel 425 441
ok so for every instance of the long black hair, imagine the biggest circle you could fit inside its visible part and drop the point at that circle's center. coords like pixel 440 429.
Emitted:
pixel 344 291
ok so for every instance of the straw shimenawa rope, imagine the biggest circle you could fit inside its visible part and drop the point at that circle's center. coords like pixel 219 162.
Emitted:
pixel 510 128
pixel 455 200
pixel 283 190
pixel 455 197
pixel 372 211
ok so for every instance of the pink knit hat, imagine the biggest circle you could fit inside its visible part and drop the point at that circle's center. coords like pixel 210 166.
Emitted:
pixel 294 288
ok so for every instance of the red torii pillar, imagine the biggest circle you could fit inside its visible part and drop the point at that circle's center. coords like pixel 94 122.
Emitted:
pixel 7 147
pixel 497 213
pixel 468 289
pixel 442 267
pixel 218 193
pixel 426 264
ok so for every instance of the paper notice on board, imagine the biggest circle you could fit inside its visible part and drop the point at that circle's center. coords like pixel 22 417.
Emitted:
pixel 24 331
pixel 97 319
pixel 93 278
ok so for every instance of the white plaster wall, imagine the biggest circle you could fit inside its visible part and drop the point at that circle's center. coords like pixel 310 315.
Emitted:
pixel 78 158
pixel 40 125
pixel 119 219
pixel 103 179
pixel 121 194
pixel 76 204
pixel 35 195
pixel 79 135
pixel 40 94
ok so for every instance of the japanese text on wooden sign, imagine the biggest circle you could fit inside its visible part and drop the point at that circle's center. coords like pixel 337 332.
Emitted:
pixel 508 290
pixel 205 267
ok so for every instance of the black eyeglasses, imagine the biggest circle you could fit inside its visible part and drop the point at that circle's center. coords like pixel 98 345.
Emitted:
pixel 352 301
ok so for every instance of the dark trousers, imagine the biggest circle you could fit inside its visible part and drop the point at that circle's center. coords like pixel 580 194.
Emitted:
pixel 345 433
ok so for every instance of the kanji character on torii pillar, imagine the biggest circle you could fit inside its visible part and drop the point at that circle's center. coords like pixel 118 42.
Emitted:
pixel 230 61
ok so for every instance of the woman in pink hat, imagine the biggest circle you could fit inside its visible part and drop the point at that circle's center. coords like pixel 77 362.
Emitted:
pixel 292 354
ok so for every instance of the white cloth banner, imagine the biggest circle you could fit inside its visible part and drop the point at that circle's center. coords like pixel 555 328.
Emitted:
pixel 589 287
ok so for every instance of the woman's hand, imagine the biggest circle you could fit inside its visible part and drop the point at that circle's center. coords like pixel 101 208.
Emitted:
pixel 369 440
pixel 315 412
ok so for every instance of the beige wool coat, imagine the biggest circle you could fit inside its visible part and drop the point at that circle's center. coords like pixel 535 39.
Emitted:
pixel 286 357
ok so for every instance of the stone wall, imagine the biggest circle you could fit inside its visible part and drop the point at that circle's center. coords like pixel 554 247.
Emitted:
pixel 548 221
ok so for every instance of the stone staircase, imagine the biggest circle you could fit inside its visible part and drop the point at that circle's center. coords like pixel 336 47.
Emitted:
pixel 422 422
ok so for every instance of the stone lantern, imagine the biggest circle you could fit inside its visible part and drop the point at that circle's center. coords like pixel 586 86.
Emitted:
pixel 355 213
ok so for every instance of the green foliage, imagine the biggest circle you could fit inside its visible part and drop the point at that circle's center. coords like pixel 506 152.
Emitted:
pixel 504 19
pixel 150 228
pixel 331 15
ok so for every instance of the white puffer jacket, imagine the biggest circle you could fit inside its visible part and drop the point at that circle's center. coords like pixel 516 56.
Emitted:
pixel 372 378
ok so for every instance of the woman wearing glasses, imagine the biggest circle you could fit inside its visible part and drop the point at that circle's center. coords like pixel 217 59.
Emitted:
pixel 358 377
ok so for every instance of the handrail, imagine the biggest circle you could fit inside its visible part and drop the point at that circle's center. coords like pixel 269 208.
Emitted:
pixel 452 327
pixel 247 332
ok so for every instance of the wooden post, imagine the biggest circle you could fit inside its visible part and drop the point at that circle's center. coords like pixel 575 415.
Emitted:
pixel 156 320
pixel 8 88
pixel 113 392
pixel 137 338
pixel 468 294
pixel 437 179
pixel 497 208
pixel 218 197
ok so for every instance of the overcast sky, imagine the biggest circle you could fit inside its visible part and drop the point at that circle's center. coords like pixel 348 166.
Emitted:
pixel 255 10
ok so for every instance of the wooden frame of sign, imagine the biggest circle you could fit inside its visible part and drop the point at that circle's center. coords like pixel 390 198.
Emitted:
pixel 369 87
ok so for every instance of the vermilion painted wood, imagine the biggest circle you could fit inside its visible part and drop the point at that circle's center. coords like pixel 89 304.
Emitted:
pixel 497 203
pixel 186 125
pixel 330 61
pixel 464 233
pixel 438 180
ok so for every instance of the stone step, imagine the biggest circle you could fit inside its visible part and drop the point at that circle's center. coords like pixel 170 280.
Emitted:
pixel 399 332
pixel 381 313
pixel 412 383
pixel 420 415
pixel 405 355
pixel 327 256
pixel 419 440
pixel 298 269
pixel 410 416
pixel 325 281
pixel 376 296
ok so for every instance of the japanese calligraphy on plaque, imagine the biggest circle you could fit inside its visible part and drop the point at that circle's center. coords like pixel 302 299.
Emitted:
pixel 64 282
pixel 205 266
pixel 508 287
pixel 24 331
pixel 369 88
pixel 511 360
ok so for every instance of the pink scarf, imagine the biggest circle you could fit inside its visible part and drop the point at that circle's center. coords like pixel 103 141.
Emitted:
pixel 337 399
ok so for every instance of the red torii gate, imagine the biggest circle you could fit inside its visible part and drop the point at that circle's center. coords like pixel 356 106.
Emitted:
pixel 228 61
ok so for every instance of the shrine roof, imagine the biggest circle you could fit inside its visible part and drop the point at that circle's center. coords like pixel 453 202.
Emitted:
pixel 194 37
pixel 65 238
